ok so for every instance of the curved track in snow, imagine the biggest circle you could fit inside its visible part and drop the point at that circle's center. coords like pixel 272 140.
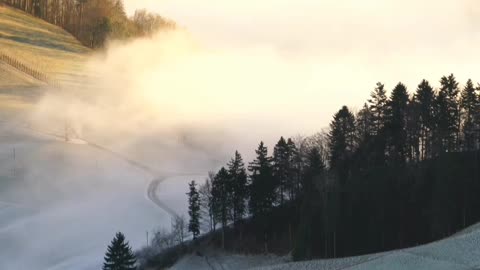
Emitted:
pixel 152 187
pixel 152 196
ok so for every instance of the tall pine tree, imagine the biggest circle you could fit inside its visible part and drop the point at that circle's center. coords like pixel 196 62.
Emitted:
pixel 424 100
pixel 396 124
pixel 281 164
pixel 341 140
pixel 237 187
pixel 469 105
pixel 449 113
pixel 364 124
pixel 294 171
pixel 262 187
pixel 221 199
pixel 310 220
pixel 119 255
pixel 194 210
pixel 378 108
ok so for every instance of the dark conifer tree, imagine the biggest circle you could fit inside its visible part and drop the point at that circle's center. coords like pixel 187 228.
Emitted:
pixel 237 187
pixel 449 112
pixel 281 165
pixel 119 255
pixel 193 210
pixel 222 199
pixel 341 139
pixel 310 218
pixel 469 106
pixel 396 124
pixel 441 133
pixel 364 124
pixel 424 100
pixel 294 171
pixel 378 108
pixel 262 187
pixel 413 131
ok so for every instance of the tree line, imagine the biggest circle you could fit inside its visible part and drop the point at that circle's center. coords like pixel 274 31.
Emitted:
pixel 402 171
pixel 92 22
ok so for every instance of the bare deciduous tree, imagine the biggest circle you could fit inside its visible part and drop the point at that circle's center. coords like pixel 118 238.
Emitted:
pixel 179 229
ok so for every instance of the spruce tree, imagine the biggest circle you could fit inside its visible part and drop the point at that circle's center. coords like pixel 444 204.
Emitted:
pixel 119 255
pixel 424 100
pixel 237 187
pixel 193 210
pixel 341 137
pixel 378 108
pixel 304 246
pixel 469 105
pixel 449 110
pixel 364 124
pixel 413 131
pixel 262 187
pixel 441 133
pixel 221 200
pixel 396 124
pixel 281 165
pixel 294 171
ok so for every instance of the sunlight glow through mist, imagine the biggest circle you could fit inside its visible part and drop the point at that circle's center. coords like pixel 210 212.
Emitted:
pixel 184 101
pixel 274 68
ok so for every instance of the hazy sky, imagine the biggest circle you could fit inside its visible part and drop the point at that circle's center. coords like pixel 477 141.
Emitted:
pixel 343 40
pixel 341 26
pixel 278 67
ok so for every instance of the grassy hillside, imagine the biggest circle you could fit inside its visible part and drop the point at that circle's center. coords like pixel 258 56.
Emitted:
pixel 39 45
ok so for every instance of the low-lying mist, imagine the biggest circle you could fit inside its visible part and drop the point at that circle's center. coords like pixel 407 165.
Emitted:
pixel 168 91
pixel 183 106
pixel 166 103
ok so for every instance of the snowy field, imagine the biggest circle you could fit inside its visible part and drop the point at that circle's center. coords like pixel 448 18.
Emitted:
pixel 61 203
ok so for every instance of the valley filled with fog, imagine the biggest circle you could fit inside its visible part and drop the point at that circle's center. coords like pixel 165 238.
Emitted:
pixel 113 146
pixel 62 202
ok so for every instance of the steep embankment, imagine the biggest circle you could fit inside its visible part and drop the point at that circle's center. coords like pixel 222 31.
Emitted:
pixel 38 46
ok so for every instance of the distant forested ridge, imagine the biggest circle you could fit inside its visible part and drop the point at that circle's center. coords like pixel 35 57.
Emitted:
pixel 92 22
pixel 402 171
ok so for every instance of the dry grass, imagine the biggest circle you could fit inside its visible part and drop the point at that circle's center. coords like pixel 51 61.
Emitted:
pixel 17 90
pixel 10 78
pixel 40 45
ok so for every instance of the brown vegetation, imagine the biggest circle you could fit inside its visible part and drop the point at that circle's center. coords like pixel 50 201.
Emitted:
pixel 93 21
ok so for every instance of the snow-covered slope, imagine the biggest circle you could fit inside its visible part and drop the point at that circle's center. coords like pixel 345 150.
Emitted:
pixel 61 203
pixel 461 251
pixel 211 259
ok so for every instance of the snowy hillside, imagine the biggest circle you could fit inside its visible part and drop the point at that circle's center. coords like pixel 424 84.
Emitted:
pixel 61 203
pixel 461 251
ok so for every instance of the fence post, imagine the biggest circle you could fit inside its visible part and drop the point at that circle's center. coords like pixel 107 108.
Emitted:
pixel 26 69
